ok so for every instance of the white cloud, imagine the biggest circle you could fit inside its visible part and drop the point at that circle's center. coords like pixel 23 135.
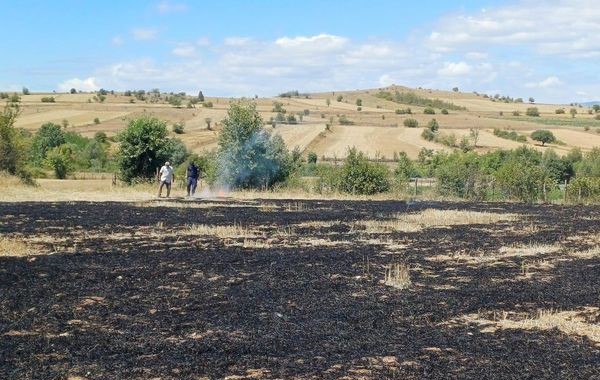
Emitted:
pixel 321 42
pixel 144 34
pixel 452 69
pixel 551 81
pixel 560 27
pixel 117 40
pixel 237 41
pixel 184 51
pixel 203 41
pixel 169 7
pixel 88 84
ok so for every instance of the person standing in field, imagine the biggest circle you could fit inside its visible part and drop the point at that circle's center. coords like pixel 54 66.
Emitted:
pixel 166 176
pixel 193 173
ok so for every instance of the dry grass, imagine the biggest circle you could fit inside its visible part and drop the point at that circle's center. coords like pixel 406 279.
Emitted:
pixel 397 276
pixel 587 254
pixel 531 249
pixel 14 247
pixel 222 232
pixel 434 218
pixel 572 323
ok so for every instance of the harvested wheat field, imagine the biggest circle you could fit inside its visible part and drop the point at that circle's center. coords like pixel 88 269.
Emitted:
pixel 311 289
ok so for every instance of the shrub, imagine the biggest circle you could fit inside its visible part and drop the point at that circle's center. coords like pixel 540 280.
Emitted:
pixel 458 174
pixel 446 139
pixel 179 128
pixel 200 96
pixel 339 98
pixel 414 99
pixel 175 101
pixel 531 100
pixel 60 160
pixel 433 125
pixel 73 91
pixel 48 99
pixel 360 176
pixel 14 98
pixel 291 119
pixel 402 111
pixel 532 111
pixel 429 111
pixel 101 137
pixel 359 109
pixel 343 120
pixel 312 158
pixel 516 113
pixel 510 135
pixel 359 102
pixel 573 112
pixel 25 91
pixel 559 111
pixel 544 136
pixel 96 120
pixel 278 107
pixel 444 111
pixel 405 168
pixel 455 89
pixel 207 104
pixel 520 179
pixel 306 112
pixel 410 123
pixel 428 134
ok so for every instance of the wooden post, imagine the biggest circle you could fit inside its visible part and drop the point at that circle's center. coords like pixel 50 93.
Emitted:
pixel 544 191
pixel 565 191
pixel 416 186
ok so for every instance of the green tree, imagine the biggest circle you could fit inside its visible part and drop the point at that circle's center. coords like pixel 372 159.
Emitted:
pixel 339 98
pixel 532 111
pixel 178 128
pixel 144 147
pixel 25 91
pixel 429 111
pixel 73 91
pixel 248 157
pixel 531 100
pixel 60 160
pixel 360 176
pixel 312 158
pixel 405 169
pixel 433 125
pixel 200 96
pixel 359 102
pixel 13 148
pixel 596 108
pixel 544 136
pixel 573 112
pixel 175 101
pixel 49 136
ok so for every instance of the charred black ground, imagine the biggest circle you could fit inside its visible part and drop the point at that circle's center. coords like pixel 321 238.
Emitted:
pixel 123 294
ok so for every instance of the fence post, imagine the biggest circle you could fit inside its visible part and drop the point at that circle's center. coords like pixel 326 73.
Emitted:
pixel 565 191
pixel 416 185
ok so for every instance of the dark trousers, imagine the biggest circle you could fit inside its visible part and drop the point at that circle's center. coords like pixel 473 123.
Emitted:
pixel 168 185
pixel 192 183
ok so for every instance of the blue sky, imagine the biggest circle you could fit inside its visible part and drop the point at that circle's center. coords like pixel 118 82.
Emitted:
pixel 546 49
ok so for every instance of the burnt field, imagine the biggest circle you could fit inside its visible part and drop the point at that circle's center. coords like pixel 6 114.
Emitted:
pixel 299 289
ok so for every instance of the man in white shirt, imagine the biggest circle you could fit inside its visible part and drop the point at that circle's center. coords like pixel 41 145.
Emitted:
pixel 166 176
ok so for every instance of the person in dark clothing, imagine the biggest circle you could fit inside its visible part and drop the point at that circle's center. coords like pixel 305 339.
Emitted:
pixel 193 173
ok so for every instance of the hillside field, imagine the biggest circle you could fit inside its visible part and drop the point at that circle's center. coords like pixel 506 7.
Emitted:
pixel 376 129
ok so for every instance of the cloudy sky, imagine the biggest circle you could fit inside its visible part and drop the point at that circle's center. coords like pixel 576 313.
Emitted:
pixel 546 49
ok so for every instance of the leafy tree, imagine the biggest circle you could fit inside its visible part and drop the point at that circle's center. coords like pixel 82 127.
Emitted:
pixel 49 136
pixel 60 159
pixel 328 102
pixel 544 136
pixel 200 96
pixel 248 157
pixel 596 108
pixel 361 176
pixel 208 120
pixel 278 107
pixel 533 111
pixel 339 98
pixel 144 147
pixel 474 135
pixel 312 158
pixel 13 148
pixel 25 91
pixel 455 89
pixel 531 100
pixel 359 102
pixel 405 169
pixel 573 112
pixel 73 91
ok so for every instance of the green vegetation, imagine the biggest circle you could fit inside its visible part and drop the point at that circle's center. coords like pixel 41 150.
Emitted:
pixel 414 99
pixel 411 123
pixel 178 128
pixel 532 111
pixel 248 156
pixel 145 147
pixel 429 111
pixel 544 136
pixel 509 135
pixel 343 120
pixel 48 99
pixel 403 111
pixel 361 176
